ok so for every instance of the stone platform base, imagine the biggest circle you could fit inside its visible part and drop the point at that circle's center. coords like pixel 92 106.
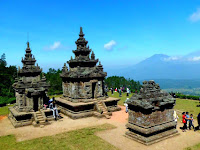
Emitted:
pixel 19 119
pixel 87 109
pixel 151 139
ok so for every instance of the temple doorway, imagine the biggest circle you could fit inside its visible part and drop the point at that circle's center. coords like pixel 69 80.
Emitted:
pixel 93 89
pixel 35 103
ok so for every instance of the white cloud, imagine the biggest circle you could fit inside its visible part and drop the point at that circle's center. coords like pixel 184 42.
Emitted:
pixel 195 16
pixel 110 45
pixel 55 46
pixel 172 58
pixel 194 58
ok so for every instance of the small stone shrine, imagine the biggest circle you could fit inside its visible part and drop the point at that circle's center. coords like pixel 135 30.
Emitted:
pixel 83 85
pixel 30 91
pixel 151 115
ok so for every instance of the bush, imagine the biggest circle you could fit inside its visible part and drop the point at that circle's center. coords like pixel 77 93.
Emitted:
pixel 7 100
pixel 182 96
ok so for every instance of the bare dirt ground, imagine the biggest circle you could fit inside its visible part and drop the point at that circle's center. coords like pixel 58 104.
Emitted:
pixel 2 117
pixel 115 136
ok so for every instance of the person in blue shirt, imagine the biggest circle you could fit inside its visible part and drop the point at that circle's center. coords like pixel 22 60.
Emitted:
pixel 187 120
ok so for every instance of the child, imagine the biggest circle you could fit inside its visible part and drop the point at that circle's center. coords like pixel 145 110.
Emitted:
pixel 191 122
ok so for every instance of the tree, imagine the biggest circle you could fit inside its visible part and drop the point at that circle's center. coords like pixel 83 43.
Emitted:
pixel 3 60
pixel 7 76
pixel 117 82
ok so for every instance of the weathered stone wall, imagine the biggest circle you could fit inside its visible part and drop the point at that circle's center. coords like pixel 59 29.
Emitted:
pixel 30 79
pixel 155 118
pixel 24 103
pixel 82 90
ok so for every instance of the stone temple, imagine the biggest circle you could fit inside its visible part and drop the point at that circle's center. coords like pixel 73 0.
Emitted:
pixel 151 115
pixel 30 91
pixel 83 85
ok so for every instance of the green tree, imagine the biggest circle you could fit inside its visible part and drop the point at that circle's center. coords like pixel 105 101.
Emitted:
pixel 53 76
pixel 117 82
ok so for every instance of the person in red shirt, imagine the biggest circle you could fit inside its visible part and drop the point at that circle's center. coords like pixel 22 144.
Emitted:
pixel 184 121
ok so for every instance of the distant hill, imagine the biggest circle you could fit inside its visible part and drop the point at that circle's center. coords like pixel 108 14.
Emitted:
pixel 160 66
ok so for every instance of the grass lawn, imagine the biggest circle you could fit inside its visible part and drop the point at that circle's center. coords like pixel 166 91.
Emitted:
pixel 4 110
pixel 82 139
pixel 195 147
pixel 185 105
pixel 123 98
pixel 55 96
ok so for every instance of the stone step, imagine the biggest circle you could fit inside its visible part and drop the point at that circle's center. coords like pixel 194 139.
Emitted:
pixel 40 117
pixel 40 120
pixel 107 117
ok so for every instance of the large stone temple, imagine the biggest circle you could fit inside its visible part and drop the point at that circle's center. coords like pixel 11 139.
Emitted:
pixel 31 93
pixel 83 85
pixel 151 115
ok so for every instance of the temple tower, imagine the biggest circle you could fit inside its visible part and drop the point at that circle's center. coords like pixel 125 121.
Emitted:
pixel 83 83
pixel 30 91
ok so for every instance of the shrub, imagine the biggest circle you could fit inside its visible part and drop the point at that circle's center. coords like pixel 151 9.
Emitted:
pixel 7 100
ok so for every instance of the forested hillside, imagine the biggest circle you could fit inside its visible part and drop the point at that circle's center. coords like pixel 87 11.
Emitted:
pixel 117 82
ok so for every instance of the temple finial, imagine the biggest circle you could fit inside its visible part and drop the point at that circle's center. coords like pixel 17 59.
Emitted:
pixel 81 32
pixel 28 44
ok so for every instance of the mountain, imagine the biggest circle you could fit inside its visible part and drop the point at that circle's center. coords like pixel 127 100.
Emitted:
pixel 160 66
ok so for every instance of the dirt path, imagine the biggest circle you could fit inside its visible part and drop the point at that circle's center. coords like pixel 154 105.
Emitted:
pixel 114 136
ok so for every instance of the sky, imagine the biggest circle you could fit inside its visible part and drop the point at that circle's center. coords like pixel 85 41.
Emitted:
pixel 121 33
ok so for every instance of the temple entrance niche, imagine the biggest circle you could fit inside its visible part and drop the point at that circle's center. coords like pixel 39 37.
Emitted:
pixel 93 89
pixel 35 103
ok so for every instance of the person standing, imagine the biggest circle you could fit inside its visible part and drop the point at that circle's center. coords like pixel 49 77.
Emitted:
pixel 187 119
pixel 175 117
pixel 128 91
pixel 198 120
pixel 191 122
pixel 184 122
pixel 112 91
pixel 120 92
pixel 126 105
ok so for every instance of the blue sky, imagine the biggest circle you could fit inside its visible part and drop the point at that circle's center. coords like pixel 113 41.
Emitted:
pixel 121 33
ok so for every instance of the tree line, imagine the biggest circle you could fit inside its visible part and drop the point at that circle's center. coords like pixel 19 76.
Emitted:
pixel 7 77
pixel 119 82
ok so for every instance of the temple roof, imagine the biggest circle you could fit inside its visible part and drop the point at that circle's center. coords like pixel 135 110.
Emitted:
pixel 29 64
pixel 151 97
pixel 83 65
pixel 35 85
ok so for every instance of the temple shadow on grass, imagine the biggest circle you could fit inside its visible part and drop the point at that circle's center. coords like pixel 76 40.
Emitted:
pixel 78 139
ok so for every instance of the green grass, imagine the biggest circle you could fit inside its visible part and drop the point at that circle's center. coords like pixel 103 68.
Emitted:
pixel 190 106
pixel 55 96
pixel 195 147
pixel 4 110
pixel 82 139
pixel 122 99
